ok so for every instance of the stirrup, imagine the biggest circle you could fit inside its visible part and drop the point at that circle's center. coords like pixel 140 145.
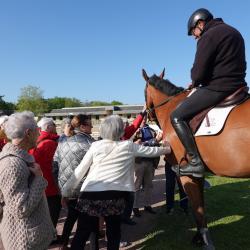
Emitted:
pixel 177 168
pixel 181 172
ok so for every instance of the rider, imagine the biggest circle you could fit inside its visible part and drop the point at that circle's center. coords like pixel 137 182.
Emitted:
pixel 218 71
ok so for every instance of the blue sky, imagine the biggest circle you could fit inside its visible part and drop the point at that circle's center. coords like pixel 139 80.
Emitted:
pixel 95 49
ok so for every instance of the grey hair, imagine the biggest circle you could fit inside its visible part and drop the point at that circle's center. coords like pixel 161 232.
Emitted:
pixel 112 128
pixel 65 121
pixel 18 123
pixel 45 122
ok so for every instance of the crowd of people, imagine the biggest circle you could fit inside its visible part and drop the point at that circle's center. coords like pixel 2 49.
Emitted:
pixel 102 180
pixel 41 171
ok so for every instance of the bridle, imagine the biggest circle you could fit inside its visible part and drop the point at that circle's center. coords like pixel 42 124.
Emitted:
pixel 151 110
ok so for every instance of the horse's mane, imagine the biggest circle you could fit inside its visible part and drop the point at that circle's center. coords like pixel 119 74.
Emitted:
pixel 164 85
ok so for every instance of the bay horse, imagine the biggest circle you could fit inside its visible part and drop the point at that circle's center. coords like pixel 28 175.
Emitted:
pixel 225 154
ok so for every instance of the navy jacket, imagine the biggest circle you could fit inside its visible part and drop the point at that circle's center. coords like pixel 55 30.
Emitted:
pixel 220 63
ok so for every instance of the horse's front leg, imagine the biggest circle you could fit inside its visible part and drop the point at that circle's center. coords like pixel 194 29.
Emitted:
pixel 194 189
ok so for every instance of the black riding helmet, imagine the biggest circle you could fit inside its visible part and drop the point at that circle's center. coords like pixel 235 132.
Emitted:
pixel 200 14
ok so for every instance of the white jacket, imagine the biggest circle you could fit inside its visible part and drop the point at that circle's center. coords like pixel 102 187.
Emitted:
pixel 110 165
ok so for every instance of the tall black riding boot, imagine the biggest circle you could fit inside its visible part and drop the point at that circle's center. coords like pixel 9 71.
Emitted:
pixel 195 166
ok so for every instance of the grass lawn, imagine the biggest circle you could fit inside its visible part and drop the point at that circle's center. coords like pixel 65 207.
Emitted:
pixel 228 216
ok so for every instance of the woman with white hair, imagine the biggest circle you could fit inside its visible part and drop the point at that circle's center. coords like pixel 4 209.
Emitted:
pixel 110 163
pixel 25 220
pixel 43 153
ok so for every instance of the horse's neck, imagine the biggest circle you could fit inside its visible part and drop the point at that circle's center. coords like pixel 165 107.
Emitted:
pixel 163 116
pixel 163 113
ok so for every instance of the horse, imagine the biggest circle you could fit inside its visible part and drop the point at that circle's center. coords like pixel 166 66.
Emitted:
pixel 224 154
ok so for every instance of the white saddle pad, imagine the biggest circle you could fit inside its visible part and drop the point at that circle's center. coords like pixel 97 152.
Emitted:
pixel 215 122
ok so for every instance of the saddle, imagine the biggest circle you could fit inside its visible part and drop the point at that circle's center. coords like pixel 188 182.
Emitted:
pixel 236 98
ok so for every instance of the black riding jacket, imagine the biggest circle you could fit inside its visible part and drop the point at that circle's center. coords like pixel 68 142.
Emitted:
pixel 219 63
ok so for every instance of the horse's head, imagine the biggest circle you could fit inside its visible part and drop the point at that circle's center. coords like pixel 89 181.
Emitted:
pixel 158 91
pixel 148 94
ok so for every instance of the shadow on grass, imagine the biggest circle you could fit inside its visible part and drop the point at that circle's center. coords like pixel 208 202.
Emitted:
pixel 228 215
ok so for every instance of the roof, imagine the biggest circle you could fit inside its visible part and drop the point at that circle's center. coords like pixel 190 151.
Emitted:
pixel 98 110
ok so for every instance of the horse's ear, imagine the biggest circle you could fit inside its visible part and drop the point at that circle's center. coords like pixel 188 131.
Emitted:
pixel 145 76
pixel 162 74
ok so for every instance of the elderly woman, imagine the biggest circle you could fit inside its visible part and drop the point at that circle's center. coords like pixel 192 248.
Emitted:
pixel 110 163
pixel 66 128
pixel 43 153
pixel 25 222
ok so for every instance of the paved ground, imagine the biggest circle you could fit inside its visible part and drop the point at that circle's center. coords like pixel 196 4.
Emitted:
pixel 134 234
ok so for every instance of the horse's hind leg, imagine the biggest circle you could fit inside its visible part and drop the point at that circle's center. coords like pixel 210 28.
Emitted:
pixel 194 189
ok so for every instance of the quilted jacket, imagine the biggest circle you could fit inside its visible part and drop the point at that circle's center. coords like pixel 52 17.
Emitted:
pixel 68 155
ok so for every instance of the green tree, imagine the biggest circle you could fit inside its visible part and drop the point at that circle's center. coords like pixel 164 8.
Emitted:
pixel 101 103
pixel 31 98
pixel 98 103
pixel 62 102
pixel 114 103
pixel 56 103
pixel 6 107
pixel 72 102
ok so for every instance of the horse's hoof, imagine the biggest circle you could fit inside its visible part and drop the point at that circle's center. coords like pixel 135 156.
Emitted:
pixel 198 240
